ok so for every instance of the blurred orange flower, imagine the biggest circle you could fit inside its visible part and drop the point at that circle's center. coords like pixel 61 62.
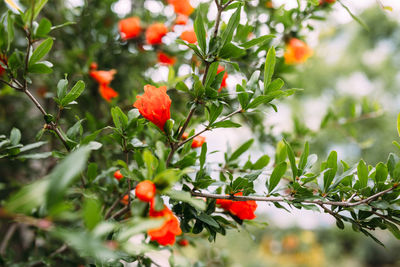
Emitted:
pixel 154 105
pixel 181 19
pixel 297 52
pixel 189 36
pixel 104 78
pixel 244 210
pixel 165 59
pixel 223 83
pixel 129 28
pixel 155 32
pixel 198 141
pixel 165 234
pixel 182 6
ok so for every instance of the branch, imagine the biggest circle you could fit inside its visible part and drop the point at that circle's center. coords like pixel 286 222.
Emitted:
pixel 292 199
pixel 208 128
pixel 7 237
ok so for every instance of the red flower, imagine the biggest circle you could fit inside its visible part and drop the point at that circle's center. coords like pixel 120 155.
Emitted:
pixel 145 191
pixel 321 2
pixel 165 234
pixel 198 141
pixel 125 200
pixel 183 242
pixel 189 36
pixel 104 78
pixel 107 92
pixel 129 28
pixel 118 175
pixel 155 32
pixel 244 210
pixel 3 61
pixel 181 19
pixel 223 83
pixel 165 59
pixel 154 105
pixel 182 6
pixel 297 52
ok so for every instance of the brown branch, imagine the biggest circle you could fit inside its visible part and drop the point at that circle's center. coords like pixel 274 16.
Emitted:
pixel 292 199
pixel 7 238
pixel 120 212
pixel 208 128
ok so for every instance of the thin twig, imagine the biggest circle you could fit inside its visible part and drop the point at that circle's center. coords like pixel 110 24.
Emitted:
pixel 7 238
pixel 120 212
pixel 108 213
pixel 208 128
pixel 59 250
pixel 292 199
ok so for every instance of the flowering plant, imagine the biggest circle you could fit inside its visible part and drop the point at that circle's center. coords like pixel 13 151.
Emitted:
pixel 119 163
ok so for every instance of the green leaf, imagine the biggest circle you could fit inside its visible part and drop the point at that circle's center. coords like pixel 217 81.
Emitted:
pixel 136 226
pixel 269 68
pixel 230 28
pixel 75 92
pixel 313 2
pixel 276 176
pixel 240 150
pixel 261 162
pixel 362 173
pixel 62 88
pixel 275 85
pixel 203 155
pixel 64 174
pixel 256 41
pixel 207 219
pixel 280 152
pixel 263 99
pixel 43 67
pixel 362 23
pixel 181 86
pixel 151 163
pixel 32 146
pixel 231 51
pixel 303 159
pixel 393 229
pixel 381 172
pixel 226 124
pixel 15 136
pixel 292 159
pixel 28 197
pixel 242 95
pixel 184 196
pixel 329 175
pixel 91 212
pixel 10 30
pixel 119 118
pixel 398 124
pixel 41 51
pixel 200 31
pixel 44 28
pixel 212 72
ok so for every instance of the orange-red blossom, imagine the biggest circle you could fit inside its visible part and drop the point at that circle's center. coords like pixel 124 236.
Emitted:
pixel 165 59
pixel 182 6
pixel 154 105
pixel 165 234
pixel 189 36
pixel 223 83
pixel 198 141
pixel 145 191
pixel 297 52
pixel 104 78
pixel 129 28
pixel 155 32
pixel 244 210
pixel 3 60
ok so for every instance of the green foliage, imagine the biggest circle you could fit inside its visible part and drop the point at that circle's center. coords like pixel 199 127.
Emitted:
pixel 77 200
